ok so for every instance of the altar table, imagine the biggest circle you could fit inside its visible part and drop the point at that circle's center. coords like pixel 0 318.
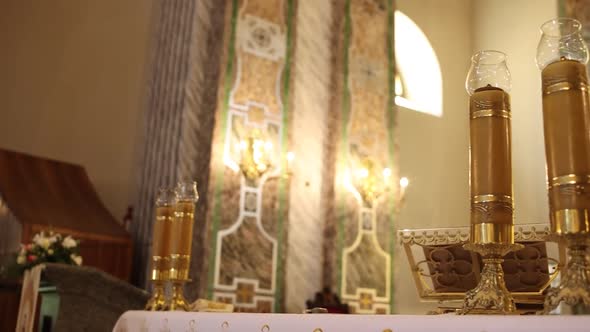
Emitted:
pixel 144 321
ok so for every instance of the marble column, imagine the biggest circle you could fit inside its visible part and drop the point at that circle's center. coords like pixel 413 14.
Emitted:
pixel 178 117
pixel 312 89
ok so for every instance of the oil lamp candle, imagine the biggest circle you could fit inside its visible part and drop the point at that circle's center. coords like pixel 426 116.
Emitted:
pixel 562 56
pixel 488 84
pixel 492 227
pixel 182 232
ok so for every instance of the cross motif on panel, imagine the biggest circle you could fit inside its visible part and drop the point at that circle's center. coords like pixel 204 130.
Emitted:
pixel 366 301
pixel 245 293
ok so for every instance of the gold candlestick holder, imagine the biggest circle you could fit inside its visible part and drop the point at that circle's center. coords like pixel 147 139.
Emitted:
pixel 562 56
pixel 574 288
pixel 178 301
pixel 179 277
pixel 490 296
pixel 158 301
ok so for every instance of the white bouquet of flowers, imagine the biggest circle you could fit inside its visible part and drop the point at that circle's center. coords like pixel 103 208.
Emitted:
pixel 49 248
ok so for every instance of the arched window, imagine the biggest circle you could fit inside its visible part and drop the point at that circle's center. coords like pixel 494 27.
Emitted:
pixel 418 81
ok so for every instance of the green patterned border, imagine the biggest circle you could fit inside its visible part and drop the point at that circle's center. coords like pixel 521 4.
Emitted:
pixel 561 8
pixel 227 85
pixel 283 204
pixel 344 144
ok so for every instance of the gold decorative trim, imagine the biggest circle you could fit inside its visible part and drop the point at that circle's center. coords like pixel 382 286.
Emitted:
pixel 574 286
pixel 491 209
pixel 569 179
pixel 491 198
pixel 490 294
pixel 570 221
pixel 490 113
pixel 427 237
pixel 540 232
pixel 485 233
pixel 179 267
pixel 564 86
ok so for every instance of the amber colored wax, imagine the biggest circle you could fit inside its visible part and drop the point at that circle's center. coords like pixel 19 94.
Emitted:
pixel 566 121
pixel 183 231
pixel 491 172
pixel 162 233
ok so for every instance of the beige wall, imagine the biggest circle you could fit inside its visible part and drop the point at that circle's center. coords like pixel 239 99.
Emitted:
pixel 434 151
pixel 72 85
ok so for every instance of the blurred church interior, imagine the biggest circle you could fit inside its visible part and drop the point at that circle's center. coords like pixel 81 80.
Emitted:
pixel 316 132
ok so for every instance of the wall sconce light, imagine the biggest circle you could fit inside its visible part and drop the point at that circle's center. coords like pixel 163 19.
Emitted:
pixel 404 182
pixel 255 156
pixel 289 169
pixel 370 183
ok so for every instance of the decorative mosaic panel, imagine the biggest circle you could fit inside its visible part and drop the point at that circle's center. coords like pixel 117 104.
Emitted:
pixel 362 232
pixel 247 218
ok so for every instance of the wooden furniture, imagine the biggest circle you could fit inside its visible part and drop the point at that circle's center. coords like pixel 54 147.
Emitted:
pixel 443 270
pixel 38 194
pixel 9 296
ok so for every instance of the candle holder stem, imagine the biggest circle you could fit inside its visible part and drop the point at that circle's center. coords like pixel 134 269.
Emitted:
pixel 178 301
pixel 490 296
pixel 158 300
pixel 574 288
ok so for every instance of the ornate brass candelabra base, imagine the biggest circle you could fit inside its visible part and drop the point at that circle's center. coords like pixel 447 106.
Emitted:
pixel 178 301
pixel 574 288
pixel 158 300
pixel 490 296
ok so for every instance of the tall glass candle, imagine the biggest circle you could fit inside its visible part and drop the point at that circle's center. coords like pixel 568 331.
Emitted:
pixel 182 231
pixel 488 84
pixel 562 55
pixel 162 234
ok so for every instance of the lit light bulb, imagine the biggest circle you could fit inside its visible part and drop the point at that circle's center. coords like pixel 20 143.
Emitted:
pixel 268 145
pixel 404 182
pixel 290 157
pixel 386 173
pixel 243 145
pixel 362 173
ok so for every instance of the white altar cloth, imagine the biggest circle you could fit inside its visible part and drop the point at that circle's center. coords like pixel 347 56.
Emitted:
pixel 144 321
